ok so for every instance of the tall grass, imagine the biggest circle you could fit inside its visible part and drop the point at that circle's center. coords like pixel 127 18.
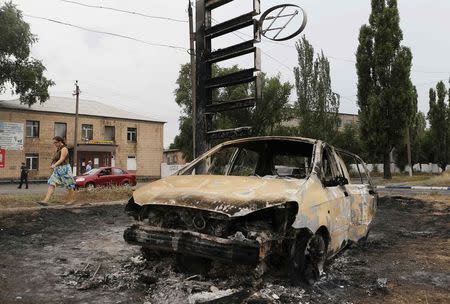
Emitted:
pixel 103 194
pixel 442 180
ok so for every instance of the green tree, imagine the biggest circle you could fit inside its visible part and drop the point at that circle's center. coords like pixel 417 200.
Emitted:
pixel 416 127
pixel 270 111
pixel 17 69
pixel 438 116
pixel 349 139
pixel 265 118
pixel 317 105
pixel 418 139
pixel 385 91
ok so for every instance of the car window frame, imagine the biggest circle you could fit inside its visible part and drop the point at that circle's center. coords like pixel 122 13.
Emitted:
pixel 104 170
pixel 336 172
pixel 121 170
pixel 361 161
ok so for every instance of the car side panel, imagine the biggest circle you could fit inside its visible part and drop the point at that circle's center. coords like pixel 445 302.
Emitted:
pixel 363 201
pixel 320 206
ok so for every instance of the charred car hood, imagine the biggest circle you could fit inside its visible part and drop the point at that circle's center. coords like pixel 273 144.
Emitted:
pixel 230 195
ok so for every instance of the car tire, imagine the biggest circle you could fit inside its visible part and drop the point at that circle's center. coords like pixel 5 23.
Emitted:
pixel 90 186
pixel 307 258
pixel 126 184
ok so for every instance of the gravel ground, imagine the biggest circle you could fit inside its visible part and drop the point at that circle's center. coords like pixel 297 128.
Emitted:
pixel 77 255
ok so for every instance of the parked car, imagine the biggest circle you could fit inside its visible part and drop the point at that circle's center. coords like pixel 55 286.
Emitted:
pixel 105 176
pixel 248 200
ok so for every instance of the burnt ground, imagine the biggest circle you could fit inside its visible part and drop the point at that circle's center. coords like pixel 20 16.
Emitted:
pixel 78 255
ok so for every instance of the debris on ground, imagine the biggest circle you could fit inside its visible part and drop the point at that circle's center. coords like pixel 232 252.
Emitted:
pixel 83 258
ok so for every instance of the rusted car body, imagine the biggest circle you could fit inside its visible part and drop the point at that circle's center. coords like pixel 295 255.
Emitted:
pixel 248 200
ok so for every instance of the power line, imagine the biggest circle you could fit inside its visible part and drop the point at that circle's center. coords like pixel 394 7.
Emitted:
pixel 108 33
pixel 268 55
pixel 124 11
pixel 341 58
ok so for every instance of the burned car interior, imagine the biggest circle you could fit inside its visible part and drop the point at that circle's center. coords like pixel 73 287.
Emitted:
pixel 255 200
pixel 260 158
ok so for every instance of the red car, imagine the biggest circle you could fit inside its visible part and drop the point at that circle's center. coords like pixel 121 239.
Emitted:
pixel 105 176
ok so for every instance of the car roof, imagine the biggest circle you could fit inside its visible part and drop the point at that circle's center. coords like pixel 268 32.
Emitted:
pixel 101 168
pixel 262 138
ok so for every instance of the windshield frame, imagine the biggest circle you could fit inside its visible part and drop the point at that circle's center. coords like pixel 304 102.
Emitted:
pixel 94 171
pixel 248 140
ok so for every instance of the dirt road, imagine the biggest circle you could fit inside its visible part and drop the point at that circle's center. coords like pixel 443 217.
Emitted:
pixel 78 256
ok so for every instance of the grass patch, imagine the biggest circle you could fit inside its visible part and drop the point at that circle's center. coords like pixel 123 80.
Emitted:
pixel 406 179
pixel 442 180
pixel 104 194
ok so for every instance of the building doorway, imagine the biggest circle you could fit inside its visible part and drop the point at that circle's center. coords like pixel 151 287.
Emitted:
pixel 98 159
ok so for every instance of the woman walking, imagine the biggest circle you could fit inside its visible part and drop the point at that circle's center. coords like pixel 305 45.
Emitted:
pixel 62 173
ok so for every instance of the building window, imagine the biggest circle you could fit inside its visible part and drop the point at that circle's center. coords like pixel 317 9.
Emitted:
pixel 32 128
pixel 131 163
pixel 32 161
pixel 110 133
pixel 87 132
pixel 61 129
pixel 132 134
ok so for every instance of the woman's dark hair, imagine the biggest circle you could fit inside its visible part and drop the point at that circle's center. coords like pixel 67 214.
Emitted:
pixel 59 139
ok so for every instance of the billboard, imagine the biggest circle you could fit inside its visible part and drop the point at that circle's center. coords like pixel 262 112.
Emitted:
pixel 11 135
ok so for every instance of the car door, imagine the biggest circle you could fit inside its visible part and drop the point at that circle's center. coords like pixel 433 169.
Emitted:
pixel 104 177
pixel 361 193
pixel 338 203
pixel 118 176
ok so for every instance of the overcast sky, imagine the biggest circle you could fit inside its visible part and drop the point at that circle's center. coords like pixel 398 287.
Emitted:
pixel 141 78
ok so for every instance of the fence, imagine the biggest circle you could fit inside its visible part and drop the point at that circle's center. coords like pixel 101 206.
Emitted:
pixel 167 170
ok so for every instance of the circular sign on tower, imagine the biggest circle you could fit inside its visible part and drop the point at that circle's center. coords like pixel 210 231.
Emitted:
pixel 283 22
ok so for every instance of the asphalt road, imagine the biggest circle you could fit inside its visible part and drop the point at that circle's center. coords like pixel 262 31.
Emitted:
pixel 11 189
pixel 32 189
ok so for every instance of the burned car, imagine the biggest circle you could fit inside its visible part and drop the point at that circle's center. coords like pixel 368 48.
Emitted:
pixel 249 200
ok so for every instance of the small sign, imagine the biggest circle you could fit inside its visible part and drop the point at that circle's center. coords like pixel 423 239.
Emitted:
pixel 99 142
pixel 2 158
pixel 11 135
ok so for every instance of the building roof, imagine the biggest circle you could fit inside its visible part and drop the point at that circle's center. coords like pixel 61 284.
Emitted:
pixel 67 106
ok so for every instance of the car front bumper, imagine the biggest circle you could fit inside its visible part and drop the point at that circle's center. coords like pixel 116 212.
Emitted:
pixel 196 244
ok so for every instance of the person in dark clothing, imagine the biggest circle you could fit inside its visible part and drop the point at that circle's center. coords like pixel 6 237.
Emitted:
pixel 23 176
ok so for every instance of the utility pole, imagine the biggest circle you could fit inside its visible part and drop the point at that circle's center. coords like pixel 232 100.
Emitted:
pixel 193 77
pixel 75 139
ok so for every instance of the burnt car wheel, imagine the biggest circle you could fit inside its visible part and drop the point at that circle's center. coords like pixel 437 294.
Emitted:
pixel 308 255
